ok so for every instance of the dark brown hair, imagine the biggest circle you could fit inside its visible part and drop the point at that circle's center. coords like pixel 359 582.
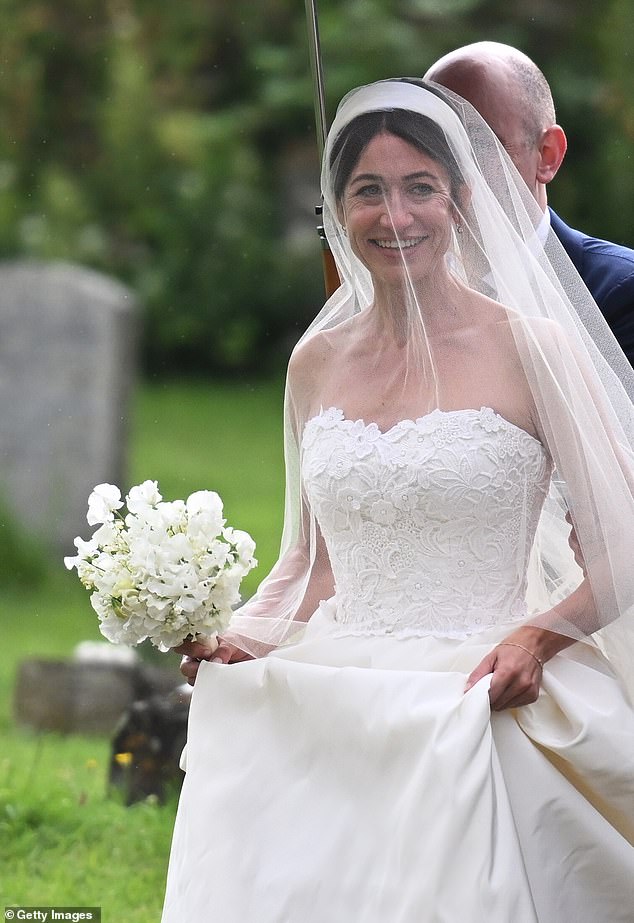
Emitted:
pixel 418 130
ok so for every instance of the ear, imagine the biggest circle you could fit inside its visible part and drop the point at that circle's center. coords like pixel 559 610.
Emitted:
pixel 552 150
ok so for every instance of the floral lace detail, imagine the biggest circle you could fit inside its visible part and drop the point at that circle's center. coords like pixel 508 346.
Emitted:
pixel 428 525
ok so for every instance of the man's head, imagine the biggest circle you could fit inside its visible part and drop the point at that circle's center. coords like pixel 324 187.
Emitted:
pixel 513 97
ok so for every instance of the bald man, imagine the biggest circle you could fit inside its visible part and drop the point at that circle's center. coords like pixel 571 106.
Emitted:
pixel 514 98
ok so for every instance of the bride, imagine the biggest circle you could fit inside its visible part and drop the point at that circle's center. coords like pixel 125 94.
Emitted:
pixel 427 715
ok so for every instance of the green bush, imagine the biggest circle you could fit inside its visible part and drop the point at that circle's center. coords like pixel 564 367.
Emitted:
pixel 124 147
pixel 149 140
pixel 22 560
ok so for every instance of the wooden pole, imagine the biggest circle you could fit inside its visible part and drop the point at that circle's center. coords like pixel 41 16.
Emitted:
pixel 331 277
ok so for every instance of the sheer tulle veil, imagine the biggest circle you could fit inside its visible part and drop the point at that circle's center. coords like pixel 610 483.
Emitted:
pixel 579 380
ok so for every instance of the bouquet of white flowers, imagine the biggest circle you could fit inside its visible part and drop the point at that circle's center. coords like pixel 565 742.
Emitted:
pixel 166 571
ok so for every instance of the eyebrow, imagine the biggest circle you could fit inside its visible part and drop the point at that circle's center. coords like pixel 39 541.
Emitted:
pixel 373 177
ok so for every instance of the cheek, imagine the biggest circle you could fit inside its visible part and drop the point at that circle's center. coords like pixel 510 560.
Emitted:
pixel 359 220
pixel 525 166
pixel 442 220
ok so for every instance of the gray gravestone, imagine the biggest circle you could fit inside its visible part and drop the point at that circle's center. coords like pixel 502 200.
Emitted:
pixel 67 350
pixel 86 696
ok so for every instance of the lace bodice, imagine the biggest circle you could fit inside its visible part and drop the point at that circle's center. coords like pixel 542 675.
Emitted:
pixel 429 525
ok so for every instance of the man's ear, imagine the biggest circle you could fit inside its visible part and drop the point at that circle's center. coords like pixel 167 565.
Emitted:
pixel 552 150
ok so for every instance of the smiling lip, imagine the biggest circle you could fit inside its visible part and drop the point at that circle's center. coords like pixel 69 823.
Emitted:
pixel 404 244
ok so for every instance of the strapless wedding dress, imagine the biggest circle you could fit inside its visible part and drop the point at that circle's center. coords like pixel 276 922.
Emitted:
pixel 347 778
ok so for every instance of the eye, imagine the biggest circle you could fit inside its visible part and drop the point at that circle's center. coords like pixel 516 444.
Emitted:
pixel 422 190
pixel 369 191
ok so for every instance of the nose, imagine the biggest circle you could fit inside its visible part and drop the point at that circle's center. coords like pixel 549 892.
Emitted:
pixel 397 214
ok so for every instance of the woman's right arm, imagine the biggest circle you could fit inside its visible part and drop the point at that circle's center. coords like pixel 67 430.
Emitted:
pixel 273 593
pixel 302 576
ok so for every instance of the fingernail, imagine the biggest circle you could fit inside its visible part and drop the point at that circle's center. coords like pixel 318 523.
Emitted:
pixel 217 660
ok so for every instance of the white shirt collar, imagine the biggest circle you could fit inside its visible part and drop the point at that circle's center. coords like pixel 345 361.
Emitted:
pixel 543 227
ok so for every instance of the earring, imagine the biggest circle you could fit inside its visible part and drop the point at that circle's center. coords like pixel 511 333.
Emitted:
pixel 458 228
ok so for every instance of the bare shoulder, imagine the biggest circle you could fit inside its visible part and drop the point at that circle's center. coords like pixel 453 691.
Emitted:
pixel 309 359
pixel 543 329
pixel 311 364
pixel 313 354
pixel 548 335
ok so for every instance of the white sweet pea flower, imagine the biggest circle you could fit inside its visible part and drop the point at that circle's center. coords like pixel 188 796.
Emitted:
pixel 204 511
pixel 143 496
pixel 101 604
pixel 108 536
pixel 157 608
pixel 113 580
pixel 177 548
pixel 214 558
pixel 171 516
pixel 226 592
pixel 87 574
pixel 244 545
pixel 103 501
pixel 85 551
pixel 146 559
pixel 165 571
pixel 204 501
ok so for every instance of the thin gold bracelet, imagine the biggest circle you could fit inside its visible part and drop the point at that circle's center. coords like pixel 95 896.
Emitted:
pixel 522 648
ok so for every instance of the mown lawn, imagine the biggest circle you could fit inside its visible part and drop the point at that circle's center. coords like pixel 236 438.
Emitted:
pixel 63 840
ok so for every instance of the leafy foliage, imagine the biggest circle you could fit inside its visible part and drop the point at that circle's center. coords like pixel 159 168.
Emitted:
pixel 151 140
pixel 21 556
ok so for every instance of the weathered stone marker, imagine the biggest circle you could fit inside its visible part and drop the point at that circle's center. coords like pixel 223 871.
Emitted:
pixel 89 693
pixel 67 361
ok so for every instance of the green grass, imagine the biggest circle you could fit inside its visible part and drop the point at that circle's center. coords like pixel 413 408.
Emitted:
pixel 226 438
pixel 63 840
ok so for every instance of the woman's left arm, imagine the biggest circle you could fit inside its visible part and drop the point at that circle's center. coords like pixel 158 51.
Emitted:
pixel 590 443
pixel 517 662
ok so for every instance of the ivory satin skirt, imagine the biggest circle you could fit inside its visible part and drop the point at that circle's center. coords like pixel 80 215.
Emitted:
pixel 351 780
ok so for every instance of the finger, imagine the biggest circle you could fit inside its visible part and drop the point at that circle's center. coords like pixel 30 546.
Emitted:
pixel 189 669
pixel 485 667
pixel 506 685
pixel 500 689
pixel 201 648
pixel 515 702
pixel 223 653
pixel 510 690
pixel 519 702
pixel 239 656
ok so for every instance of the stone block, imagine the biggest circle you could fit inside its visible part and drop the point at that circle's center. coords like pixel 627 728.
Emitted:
pixel 67 366
pixel 86 696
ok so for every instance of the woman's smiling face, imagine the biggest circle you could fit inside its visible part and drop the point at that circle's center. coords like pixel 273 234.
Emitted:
pixel 397 209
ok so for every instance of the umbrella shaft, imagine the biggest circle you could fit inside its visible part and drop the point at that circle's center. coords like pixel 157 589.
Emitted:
pixel 318 74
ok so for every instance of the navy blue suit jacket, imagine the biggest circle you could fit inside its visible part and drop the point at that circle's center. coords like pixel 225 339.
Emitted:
pixel 608 272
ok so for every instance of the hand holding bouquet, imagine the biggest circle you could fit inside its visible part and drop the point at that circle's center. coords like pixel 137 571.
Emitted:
pixel 166 571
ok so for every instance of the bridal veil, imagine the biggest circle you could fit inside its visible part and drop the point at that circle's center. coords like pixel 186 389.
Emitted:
pixel 580 382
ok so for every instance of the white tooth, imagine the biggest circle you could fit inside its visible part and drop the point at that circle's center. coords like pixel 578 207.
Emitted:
pixel 395 244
